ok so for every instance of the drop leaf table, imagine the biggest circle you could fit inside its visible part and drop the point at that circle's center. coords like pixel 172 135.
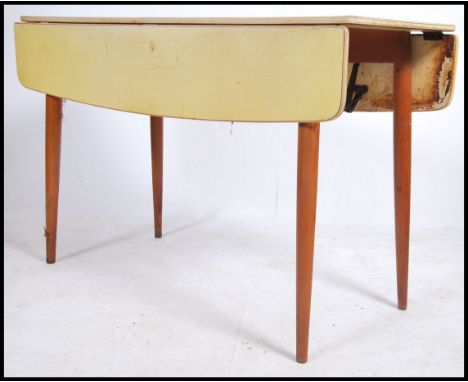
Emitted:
pixel 305 70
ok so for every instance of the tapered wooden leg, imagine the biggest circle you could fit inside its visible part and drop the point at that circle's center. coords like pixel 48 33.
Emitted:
pixel 307 171
pixel 157 170
pixel 402 165
pixel 52 170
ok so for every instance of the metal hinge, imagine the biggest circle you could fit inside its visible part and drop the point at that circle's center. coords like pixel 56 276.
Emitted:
pixel 354 92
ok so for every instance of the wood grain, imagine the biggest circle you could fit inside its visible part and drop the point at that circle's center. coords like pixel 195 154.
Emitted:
pixel 157 142
pixel 367 45
pixel 307 173
pixel 402 165
pixel 52 172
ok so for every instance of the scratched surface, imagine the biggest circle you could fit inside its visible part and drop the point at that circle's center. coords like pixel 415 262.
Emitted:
pixel 434 65
pixel 226 73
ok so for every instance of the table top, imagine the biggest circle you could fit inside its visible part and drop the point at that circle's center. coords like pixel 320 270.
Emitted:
pixel 230 69
pixel 349 21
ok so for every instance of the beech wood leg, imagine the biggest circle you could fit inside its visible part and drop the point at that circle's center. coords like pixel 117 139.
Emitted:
pixel 307 171
pixel 402 165
pixel 157 171
pixel 52 172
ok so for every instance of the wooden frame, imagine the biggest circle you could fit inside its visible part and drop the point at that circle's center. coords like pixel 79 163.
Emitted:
pixel 433 65
pixel 395 48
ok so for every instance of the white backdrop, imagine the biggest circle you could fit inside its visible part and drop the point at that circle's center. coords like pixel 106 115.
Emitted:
pixel 217 299
pixel 238 169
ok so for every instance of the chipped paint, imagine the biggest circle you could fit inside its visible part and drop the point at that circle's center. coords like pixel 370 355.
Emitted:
pixel 433 70
pixel 445 76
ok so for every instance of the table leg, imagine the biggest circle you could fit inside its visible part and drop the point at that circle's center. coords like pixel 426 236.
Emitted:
pixel 307 171
pixel 157 171
pixel 52 170
pixel 402 165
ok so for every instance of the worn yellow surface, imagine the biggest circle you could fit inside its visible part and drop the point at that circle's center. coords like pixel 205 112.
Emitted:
pixel 433 77
pixel 233 73
pixel 350 21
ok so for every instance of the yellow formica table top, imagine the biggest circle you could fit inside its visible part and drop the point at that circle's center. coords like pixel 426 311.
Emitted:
pixel 293 69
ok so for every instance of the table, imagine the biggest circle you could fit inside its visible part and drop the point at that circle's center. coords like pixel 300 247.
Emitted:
pixel 306 70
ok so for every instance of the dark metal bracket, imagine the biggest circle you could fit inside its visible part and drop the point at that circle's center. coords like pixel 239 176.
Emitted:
pixel 433 35
pixel 354 92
